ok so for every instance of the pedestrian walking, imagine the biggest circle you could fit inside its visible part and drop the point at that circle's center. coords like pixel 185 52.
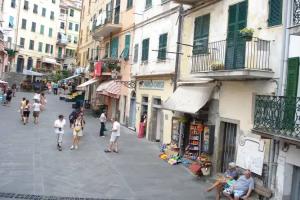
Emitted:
pixel 72 117
pixel 49 86
pixel 43 101
pixel 55 88
pixel 59 125
pixel 115 134
pixel 36 111
pixel 102 123
pixel 22 106
pixel 8 96
pixel 77 131
pixel 14 89
pixel 26 112
pixel 37 96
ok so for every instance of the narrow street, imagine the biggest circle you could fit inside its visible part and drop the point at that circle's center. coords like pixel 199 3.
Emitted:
pixel 30 163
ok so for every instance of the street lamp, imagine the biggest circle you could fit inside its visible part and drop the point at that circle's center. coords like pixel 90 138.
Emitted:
pixel 128 84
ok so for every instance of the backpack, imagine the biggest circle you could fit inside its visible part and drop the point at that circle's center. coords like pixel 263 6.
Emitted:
pixel 73 116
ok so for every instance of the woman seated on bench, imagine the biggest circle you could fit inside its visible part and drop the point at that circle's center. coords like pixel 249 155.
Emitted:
pixel 225 181
pixel 242 188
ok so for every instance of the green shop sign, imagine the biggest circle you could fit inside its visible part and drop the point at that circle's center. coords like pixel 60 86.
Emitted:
pixel 150 84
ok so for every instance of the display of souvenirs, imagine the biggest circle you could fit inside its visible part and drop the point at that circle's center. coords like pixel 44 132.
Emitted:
pixel 194 146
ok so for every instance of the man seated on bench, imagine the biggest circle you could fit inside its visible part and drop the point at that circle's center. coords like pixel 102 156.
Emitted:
pixel 242 188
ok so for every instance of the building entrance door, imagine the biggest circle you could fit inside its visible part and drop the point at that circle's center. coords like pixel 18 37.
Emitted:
pixel 132 116
pixel 295 195
pixel 20 64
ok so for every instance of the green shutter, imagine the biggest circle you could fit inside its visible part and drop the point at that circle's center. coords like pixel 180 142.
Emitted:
pixel 201 33
pixel 145 49
pixel 127 47
pixel 275 12
pixel 148 4
pixel 129 4
pixel 114 47
pixel 162 50
pixel 292 77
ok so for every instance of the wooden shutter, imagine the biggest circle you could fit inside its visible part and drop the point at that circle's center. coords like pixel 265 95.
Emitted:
pixel 145 49
pixel 114 47
pixel 136 53
pixel 148 3
pixel 163 39
pixel 201 33
pixel 275 12
pixel 127 47
pixel 292 77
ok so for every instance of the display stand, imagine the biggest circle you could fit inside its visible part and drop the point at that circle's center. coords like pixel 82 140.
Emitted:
pixel 194 146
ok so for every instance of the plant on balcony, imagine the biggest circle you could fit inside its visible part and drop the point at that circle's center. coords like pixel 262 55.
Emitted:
pixel 247 33
pixel 217 66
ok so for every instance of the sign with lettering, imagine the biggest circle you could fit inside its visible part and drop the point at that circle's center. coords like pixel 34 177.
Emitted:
pixel 150 84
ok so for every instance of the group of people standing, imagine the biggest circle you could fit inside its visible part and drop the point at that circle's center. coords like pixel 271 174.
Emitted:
pixel 8 93
pixel 38 105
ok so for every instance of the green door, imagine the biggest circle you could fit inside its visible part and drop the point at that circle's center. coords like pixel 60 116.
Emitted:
pixel 291 93
pixel 236 45
pixel 114 47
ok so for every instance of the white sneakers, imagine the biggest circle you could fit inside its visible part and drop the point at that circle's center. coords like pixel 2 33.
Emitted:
pixel 74 147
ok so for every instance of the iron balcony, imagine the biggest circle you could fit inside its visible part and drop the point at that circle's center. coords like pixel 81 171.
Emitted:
pixel 277 117
pixel 232 60
pixel 194 2
pixel 295 26
pixel 110 26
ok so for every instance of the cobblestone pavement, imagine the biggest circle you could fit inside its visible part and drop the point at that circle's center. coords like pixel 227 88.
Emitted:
pixel 30 163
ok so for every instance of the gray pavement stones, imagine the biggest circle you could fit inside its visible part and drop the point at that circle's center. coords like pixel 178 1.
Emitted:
pixel 31 164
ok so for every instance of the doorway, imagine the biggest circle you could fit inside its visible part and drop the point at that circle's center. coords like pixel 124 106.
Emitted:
pixel 132 113
pixel 29 63
pixel 236 45
pixel 20 64
pixel 228 142
pixel 295 195
pixel 156 121
pixel 124 109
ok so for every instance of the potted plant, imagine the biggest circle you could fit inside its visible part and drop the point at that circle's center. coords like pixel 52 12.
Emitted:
pixel 247 33
pixel 217 66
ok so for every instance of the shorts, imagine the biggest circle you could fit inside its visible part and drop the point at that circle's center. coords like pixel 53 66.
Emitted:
pixel 26 113
pixel 114 138
pixel 238 193
pixel 36 113
pixel 77 133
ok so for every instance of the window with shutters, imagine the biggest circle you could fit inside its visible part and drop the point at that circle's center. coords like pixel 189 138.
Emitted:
pixel 117 12
pixel 114 47
pixel 275 12
pixel 106 50
pixel 22 42
pixel 162 50
pixel 136 53
pixel 31 45
pixel 125 52
pixel 129 4
pixel 23 26
pixel 70 25
pixel 148 4
pixel 201 33
pixel 145 50
pixel 52 15
pixel 62 25
pixel 47 49
pixel 42 29
pixel 11 22
pixel 35 8
pixel 50 32
pixel 26 5
pixel 13 3
pixel 76 27
pixel 44 12
pixel 40 49
pixel 72 13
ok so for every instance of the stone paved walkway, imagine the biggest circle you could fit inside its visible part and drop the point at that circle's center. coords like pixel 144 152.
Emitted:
pixel 30 163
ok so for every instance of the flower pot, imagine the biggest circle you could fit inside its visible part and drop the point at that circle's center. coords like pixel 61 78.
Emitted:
pixel 247 36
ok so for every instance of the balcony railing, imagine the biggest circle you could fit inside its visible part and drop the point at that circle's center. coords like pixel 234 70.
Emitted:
pixel 296 12
pixel 277 116
pixel 62 41
pixel 232 55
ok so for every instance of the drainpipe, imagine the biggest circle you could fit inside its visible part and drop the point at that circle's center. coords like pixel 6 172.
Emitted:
pixel 178 49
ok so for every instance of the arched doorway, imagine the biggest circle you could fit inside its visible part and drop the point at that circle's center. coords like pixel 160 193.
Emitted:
pixel 132 112
pixel 20 64
pixel 29 63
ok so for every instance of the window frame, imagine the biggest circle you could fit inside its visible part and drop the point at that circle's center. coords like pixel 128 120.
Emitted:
pixel 70 27
pixel 35 9
pixel 31 44
pixel 25 24
pixel 145 51
pixel 40 47
pixel 42 29
pixel 162 55
pixel 148 4
pixel 129 4
pixel 22 42
pixel 44 12
pixel 33 27
pixel 52 15
pixel 271 14
pixel 50 31
pixel 26 5
pixel 71 14
pixel 136 53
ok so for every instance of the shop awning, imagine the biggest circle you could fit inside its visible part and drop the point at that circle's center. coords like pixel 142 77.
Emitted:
pixel 87 83
pixel 32 73
pixel 109 88
pixel 189 99
pixel 49 60
pixel 71 77
pixel 3 82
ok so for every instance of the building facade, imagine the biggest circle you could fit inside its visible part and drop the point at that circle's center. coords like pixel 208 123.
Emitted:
pixel 68 33
pixel 32 27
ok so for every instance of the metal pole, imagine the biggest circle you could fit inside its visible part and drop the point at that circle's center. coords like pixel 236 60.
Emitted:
pixel 179 34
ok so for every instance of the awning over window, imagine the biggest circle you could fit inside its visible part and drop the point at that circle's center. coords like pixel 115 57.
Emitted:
pixel 109 88
pixel 85 84
pixel 71 77
pixel 189 99
pixel 32 73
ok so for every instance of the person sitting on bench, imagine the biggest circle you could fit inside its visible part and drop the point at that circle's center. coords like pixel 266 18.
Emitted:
pixel 242 188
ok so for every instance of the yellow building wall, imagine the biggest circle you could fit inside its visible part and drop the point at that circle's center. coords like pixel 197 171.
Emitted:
pixel 163 94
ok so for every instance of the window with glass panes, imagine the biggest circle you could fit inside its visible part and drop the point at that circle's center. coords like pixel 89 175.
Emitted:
pixel 13 3
pixel 162 49
pixel 31 45
pixel 129 4
pixel 35 8
pixel 47 49
pixel 51 49
pixel 44 12
pixel 76 27
pixel 145 49
pixel 26 5
pixel 127 47
pixel 114 47
pixel 11 22
pixel 40 49
pixel 22 42
pixel 62 25
pixel 106 50
pixel 50 32
pixel 70 25
pixel 33 26
pixel 201 33
pixel 117 12
pixel 52 15
pixel 275 12
pixel 23 25
pixel 42 29
pixel 71 12
pixel 148 4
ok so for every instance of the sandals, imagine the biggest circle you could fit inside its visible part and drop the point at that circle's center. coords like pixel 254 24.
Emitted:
pixel 107 151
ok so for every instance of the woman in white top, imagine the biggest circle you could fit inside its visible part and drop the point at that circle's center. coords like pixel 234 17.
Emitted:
pixel 77 131
pixel 36 111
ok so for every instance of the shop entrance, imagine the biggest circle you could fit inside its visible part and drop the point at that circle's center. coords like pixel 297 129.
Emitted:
pixel 295 195
pixel 228 146
pixel 156 121
pixel 132 115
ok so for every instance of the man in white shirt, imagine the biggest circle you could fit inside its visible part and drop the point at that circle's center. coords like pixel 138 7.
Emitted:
pixel 115 134
pixel 102 121
pixel 37 97
pixel 36 111
pixel 59 125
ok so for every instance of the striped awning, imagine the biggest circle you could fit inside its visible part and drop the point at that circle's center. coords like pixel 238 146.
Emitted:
pixel 109 88
pixel 85 84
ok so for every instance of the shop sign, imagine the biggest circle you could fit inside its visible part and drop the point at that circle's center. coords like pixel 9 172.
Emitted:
pixel 150 84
